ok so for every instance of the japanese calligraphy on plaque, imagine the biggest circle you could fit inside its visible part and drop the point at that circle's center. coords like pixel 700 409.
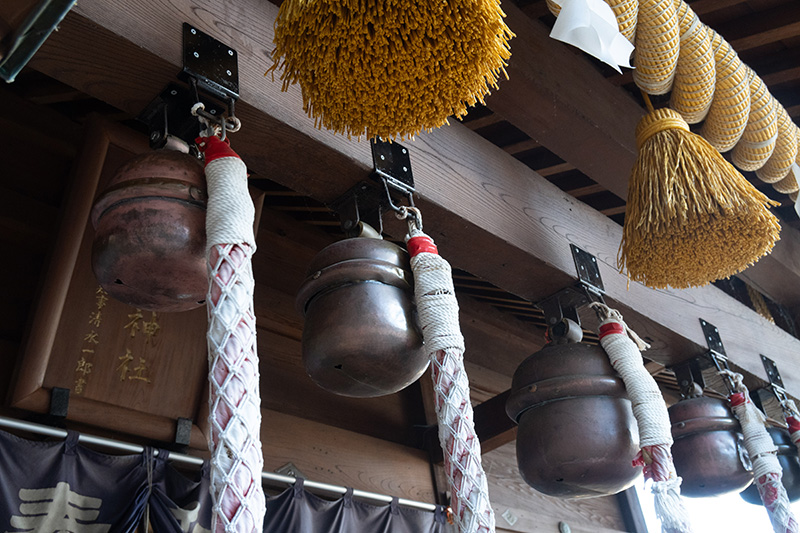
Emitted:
pixel 128 369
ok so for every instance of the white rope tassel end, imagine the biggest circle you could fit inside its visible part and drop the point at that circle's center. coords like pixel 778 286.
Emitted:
pixel 623 345
pixel 438 316
pixel 767 470
pixel 234 401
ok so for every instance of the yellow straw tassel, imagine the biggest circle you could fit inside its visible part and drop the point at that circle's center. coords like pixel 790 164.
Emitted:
pixel 390 69
pixel 691 217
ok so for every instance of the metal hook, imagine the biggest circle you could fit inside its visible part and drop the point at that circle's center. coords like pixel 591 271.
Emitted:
pixel 402 212
pixel 230 123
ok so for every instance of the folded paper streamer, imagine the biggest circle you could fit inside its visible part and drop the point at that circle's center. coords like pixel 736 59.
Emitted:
pixel 796 173
pixel 591 26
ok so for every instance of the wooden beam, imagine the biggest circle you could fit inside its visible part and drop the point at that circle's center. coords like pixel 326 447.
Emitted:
pixel 536 9
pixel 614 210
pixel 546 97
pixel 786 261
pixel 555 169
pixel 522 146
pixel 478 123
pixel 489 213
pixel 763 27
pixel 492 425
pixel 702 7
pixel 586 191
pixel 782 76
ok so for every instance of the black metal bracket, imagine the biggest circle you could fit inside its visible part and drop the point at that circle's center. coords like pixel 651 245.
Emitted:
pixel 689 373
pixel 211 63
pixel 775 381
pixel 716 351
pixel 392 169
pixel 168 116
pixel 565 303
pixel 183 431
pixel 713 339
pixel 59 403
pixel 393 182
pixel 588 271
pixel 363 203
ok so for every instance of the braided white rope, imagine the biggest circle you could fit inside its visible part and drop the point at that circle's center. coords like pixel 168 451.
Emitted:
pixel 655 434
pixel 767 470
pixel 235 405
pixel 793 419
pixel 230 211
pixel 438 317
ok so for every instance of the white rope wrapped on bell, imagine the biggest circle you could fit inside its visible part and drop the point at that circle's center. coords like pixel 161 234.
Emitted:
pixel 623 348
pixel 235 404
pixel 767 470
pixel 438 318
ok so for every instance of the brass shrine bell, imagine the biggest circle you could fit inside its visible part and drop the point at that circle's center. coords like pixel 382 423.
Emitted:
pixel 708 448
pixel 150 237
pixel 360 336
pixel 577 436
pixel 790 464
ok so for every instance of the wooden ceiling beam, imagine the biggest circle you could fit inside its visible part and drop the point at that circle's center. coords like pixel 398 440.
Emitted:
pixel 546 97
pixel 489 213
pixel 702 7
pixel 586 191
pixel 782 76
pixel 522 146
pixel 763 27
pixel 478 123
pixel 555 169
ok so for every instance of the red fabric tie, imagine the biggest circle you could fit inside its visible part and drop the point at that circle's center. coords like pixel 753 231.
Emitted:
pixel 737 398
pixel 423 243
pixel 214 148
pixel 611 328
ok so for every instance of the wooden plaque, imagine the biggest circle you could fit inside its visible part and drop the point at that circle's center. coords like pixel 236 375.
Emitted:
pixel 127 369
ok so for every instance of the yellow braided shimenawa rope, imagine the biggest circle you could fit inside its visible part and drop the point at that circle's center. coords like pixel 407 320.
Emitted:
pixel 691 217
pixel 390 68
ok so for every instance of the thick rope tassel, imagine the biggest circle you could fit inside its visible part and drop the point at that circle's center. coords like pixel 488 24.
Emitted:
pixel 623 347
pixel 767 470
pixel 235 404
pixel 438 318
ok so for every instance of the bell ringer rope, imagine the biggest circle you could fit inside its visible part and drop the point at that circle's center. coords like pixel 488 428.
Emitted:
pixel 623 347
pixel 792 417
pixel 235 404
pixel 767 470
pixel 438 319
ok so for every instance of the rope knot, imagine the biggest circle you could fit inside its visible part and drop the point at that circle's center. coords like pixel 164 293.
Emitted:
pixel 657 121
pixel 609 316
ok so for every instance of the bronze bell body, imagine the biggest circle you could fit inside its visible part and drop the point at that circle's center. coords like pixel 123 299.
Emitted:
pixel 790 464
pixel 577 436
pixel 149 245
pixel 708 448
pixel 360 336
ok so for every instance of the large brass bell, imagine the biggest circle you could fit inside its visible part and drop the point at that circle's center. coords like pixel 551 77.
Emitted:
pixel 577 436
pixel 790 464
pixel 360 336
pixel 149 245
pixel 708 448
